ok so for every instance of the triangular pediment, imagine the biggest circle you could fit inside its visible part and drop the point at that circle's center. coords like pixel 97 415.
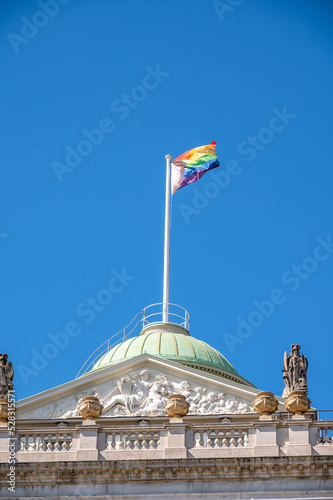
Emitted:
pixel 140 387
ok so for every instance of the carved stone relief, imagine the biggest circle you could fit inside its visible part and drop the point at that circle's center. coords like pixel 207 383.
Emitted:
pixel 144 393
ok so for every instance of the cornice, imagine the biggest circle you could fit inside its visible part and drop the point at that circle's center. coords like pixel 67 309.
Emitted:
pixel 222 469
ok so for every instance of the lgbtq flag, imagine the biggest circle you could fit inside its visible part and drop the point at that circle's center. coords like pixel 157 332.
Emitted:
pixel 192 165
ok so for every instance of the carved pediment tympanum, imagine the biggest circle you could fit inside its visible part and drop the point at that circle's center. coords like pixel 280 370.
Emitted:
pixel 143 391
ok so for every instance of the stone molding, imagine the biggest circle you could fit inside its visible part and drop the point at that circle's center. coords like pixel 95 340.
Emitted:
pixel 252 469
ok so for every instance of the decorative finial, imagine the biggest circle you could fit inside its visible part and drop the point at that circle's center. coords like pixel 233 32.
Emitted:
pixel 177 406
pixel 297 403
pixel 90 408
pixel 265 403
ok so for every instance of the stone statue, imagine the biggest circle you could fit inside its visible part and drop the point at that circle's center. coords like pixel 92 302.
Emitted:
pixel 295 366
pixel 6 376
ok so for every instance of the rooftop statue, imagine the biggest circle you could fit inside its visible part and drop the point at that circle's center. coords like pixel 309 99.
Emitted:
pixel 6 376
pixel 295 366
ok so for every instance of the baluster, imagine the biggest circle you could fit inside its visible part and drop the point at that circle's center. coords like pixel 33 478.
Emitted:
pixel 144 443
pixel 224 438
pixel 150 439
pixel 323 434
pixel 236 436
pixel 126 440
pixel 240 439
pixel 108 441
pixel 39 441
pixel 217 439
pixel 232 440
pixel 157 438
pixel 23 442
pixel 68 442
pixel 326 437
pixel 57 443
pixel 42 444
pixel 201 439
pixel 49 443
pixel 113 441
pixel 120 443
pixel 26 446
pixel 209 439
pixel 64 442
pixel 136 440
pixel 33 444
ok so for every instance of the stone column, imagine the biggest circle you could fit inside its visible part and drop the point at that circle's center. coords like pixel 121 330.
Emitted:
pixel 175 442
pixel 299 436
pixel 88 449
pixel 5 440
pixel 266 438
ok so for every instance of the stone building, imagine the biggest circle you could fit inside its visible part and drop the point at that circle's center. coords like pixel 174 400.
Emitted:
pixel 163 415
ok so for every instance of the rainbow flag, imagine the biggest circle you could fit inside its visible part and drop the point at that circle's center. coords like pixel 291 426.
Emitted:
pixel 192 165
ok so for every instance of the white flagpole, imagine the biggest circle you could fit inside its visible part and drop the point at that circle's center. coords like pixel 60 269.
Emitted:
pixel 167 242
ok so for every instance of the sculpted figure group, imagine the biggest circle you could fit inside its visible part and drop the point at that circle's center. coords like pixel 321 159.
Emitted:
pixel 144 394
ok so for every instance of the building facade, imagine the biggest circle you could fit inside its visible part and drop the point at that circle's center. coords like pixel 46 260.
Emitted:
pixel 162 415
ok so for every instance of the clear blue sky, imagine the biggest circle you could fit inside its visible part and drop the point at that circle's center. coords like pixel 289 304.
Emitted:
pixel 159 78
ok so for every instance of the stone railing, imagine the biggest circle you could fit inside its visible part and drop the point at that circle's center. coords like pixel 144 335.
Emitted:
pixel 132 440
pixel 163 438
pixel 325 433
pixel 220 438
pixel 42 442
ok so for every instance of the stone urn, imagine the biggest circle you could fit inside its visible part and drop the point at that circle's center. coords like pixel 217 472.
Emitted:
pixel 265 403
pixel 3 410
pixel 177 406
pixel 297 403
pixel 90 408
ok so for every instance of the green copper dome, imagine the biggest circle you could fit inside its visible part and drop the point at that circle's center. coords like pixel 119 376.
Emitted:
pixel 172 346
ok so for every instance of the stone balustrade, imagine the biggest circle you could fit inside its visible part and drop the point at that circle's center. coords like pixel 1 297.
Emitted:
pixel 220 437
pixel 163 438
pixel 325 434
pixel 42 442
pixel 132 440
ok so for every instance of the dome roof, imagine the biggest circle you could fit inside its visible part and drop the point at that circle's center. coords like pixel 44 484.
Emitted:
pixel 174 347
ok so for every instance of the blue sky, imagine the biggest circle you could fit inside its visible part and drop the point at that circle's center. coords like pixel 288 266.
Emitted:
pixel 93 96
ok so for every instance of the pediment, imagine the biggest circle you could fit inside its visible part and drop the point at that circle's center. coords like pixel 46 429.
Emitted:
pixel 140 387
